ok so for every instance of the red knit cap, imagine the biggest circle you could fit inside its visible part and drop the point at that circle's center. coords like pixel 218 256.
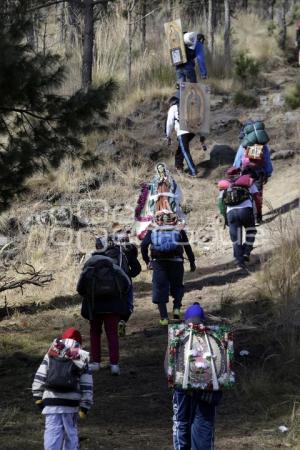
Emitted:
pixel 72 333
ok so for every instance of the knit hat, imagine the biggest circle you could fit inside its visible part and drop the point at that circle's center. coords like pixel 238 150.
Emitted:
pixel 72 333
pixel 223 184
pixel 194 313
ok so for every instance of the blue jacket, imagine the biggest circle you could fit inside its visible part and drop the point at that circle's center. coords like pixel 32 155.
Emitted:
pixel 267 166
pixel 198 54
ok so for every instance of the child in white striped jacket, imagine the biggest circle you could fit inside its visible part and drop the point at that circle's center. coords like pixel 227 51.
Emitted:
pixel 63 389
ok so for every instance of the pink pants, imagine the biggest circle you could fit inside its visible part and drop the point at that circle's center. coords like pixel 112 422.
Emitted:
pixel 111 329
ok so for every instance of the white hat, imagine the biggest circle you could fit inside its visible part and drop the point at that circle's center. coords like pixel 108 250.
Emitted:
pixel 190 39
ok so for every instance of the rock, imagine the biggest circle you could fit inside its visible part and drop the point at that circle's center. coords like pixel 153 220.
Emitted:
pixel 217 101
pixel 3 240
pixel 53 197
pixel 13 226
pixel 61 216
pixel 278 100
pixel 90 184
pixel 107 147
pixel 221 154
pixel 124 122
pixel 206 238
pixel 283 154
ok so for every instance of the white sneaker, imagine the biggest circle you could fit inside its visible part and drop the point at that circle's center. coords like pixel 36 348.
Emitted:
pixel 115 369
pixel 94 366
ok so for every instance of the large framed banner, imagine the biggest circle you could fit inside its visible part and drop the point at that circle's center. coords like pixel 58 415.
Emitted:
pixel 194 109
pixel 175 42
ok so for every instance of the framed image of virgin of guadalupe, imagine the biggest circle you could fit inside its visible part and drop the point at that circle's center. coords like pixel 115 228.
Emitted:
pixel 194 108
pixel 175 42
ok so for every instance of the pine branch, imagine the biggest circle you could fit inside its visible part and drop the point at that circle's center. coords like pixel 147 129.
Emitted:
pixel 26 111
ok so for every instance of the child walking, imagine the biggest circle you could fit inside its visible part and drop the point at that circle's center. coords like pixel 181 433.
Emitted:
pixel 63 389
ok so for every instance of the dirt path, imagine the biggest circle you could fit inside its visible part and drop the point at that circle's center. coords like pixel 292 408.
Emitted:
pixel 133 411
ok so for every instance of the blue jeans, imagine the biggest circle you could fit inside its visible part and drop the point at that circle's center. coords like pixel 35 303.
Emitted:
pixel 183 74
pixel 193 422
pixel 130 306
pixel 238 219
pixel 183 152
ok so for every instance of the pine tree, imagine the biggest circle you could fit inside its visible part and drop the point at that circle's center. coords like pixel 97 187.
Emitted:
pixel 38 127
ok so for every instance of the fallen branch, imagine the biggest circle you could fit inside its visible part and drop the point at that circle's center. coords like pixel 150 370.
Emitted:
pixel 31 276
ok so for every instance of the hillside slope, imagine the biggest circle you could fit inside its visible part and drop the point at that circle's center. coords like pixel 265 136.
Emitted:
pixel 133 411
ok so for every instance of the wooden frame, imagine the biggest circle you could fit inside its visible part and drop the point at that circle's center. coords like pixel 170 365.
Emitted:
pixel 175 42
pixel 194 109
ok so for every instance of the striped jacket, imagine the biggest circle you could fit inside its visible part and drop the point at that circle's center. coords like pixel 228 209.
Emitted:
pixel 82 397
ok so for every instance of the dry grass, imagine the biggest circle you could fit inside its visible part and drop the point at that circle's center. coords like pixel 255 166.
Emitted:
pixel 251 35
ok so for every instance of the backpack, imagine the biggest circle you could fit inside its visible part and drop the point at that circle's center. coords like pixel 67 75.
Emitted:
pixel 235 195
pixel 165 241
pixel 105 279
pixel 200 357
pixel 63 375
pixel 255 133
pixel 118 255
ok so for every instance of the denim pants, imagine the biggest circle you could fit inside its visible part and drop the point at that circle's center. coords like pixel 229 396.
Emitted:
pixel 193 422
pixel 61 432
pixel 183 153
pixel 186 74
pixel 239 218
pixel 167 279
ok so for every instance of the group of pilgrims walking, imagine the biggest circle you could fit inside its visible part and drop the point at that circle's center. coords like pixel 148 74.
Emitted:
pixel 195 365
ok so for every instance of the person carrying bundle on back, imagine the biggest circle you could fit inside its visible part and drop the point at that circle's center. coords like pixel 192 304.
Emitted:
pixel 198 365
pixel 237 195
pixel 253 156
pixel 194 47
pixel 167 241
pixel 106 287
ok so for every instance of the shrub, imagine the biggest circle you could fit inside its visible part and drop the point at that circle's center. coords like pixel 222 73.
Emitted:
pixel 246 69
pixel 292 99
pixel 242 99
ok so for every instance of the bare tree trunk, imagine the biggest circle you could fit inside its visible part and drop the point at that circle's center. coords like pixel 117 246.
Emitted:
pixel 143 23
pixel 88 43
pixel 210 27
pixel 271 9
pixel 245 4
pixel 74 9
pixel 130 37
pixel 62 22
pixel 282 33
pixel 227 49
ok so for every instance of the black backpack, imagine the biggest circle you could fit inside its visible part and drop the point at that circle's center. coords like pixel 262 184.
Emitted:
pixel 118 256
pixel 63 375
pixel 105 279
pixel 235 195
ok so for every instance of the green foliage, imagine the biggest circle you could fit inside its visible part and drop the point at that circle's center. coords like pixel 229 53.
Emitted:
pixel 241 98
pixel 293 97
pixel 246 69
pixel 38 128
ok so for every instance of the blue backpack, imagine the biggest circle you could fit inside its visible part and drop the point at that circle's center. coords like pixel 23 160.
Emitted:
pixel 165 241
